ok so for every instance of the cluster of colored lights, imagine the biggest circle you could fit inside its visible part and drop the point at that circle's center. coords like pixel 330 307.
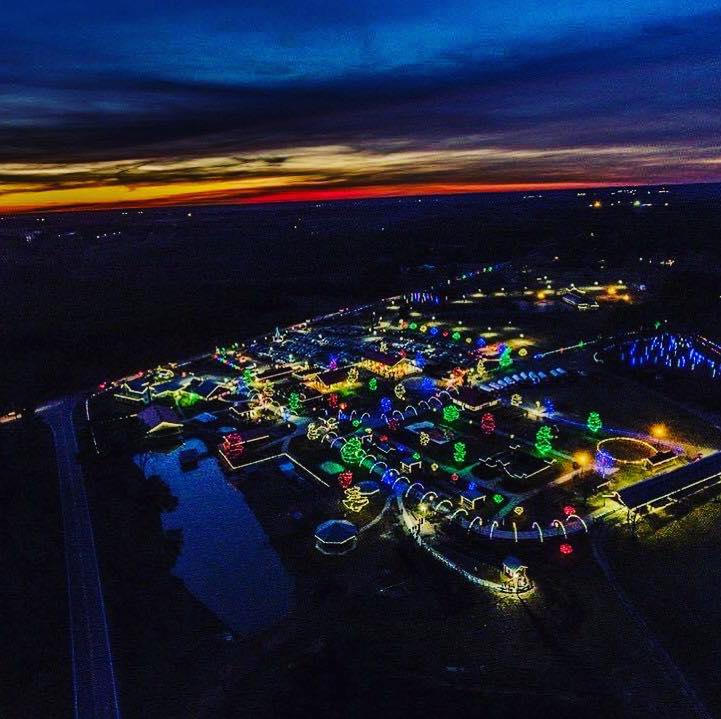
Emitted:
pixel 668 351
pixel 227 362
pixel 566 549
pixel 425 298
pixel 434 331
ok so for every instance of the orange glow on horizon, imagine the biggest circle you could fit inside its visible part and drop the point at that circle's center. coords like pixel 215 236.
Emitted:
pixel 102 197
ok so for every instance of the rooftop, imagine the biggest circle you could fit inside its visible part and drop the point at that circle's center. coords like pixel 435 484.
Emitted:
pixel 665 485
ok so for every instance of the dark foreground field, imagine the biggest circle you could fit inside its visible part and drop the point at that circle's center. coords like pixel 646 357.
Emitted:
pixel 381 632
pixel 91 296
pixel 673 574
pixel 35 670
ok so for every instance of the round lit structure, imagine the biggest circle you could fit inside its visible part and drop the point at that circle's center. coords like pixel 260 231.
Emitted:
pixel 336 537
pixel 626 450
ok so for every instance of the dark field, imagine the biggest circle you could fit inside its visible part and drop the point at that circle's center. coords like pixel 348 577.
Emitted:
pixel 91 296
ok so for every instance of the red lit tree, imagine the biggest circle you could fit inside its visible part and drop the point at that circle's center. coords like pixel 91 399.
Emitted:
pixel 488 423
pixel 345 479
pixel 232 446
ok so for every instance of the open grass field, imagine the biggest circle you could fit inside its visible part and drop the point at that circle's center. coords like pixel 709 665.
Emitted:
pixel 673 576
pixel 35 676
pixel 389 631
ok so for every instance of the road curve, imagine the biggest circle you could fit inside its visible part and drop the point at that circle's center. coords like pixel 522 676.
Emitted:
pixel 94 688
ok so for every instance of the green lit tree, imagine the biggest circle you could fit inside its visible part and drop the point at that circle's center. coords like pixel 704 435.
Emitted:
pixel 294 402
pixel 543 440
pixel 459 452
pixel 186 399
pixel 594 422
pixel 505 361
pixel 451 413
pixel 352 451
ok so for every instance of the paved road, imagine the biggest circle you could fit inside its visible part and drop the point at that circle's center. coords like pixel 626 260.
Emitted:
pixel 94 690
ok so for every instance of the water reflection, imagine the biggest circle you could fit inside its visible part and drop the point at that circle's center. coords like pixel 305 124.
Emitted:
pixel 226 560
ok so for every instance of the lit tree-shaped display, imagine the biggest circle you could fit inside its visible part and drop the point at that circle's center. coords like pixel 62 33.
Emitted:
pixel 594 422
pixel 424 438
pixel 248 376
pixel 372 384
pixel 345 479
pixel 604 463
pixel 505 360
pixel 186 399
pixel 400 391
pixel 294 402
pixel 386 404
pixel 353 375
pixel 232 446
pixel 333 400
pixel 544 436
pixel 313 432
pixel 352 451
pixel 488 423
pixel 451 413
pixel 329 424
pixel 481 368
pixel 459 452
pixel 354 501
pixel 516 400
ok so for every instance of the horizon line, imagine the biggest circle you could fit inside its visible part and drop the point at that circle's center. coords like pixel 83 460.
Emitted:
pixel 370 192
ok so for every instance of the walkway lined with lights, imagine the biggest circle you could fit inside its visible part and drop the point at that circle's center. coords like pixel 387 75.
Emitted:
pixel 495 586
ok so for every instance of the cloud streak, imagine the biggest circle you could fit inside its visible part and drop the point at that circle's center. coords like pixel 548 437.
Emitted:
pixel 632 106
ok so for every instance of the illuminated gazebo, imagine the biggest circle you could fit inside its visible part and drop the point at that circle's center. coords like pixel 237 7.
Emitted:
pixel 336 537
pixel 514 573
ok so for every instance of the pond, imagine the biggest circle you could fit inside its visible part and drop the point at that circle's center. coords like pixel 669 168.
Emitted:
pixel 226 561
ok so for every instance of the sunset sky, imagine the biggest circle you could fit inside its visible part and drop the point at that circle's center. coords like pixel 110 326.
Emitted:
pixel 108 104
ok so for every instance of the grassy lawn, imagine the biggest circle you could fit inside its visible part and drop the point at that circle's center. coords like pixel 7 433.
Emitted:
pixel 387 630
pixel 673 575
